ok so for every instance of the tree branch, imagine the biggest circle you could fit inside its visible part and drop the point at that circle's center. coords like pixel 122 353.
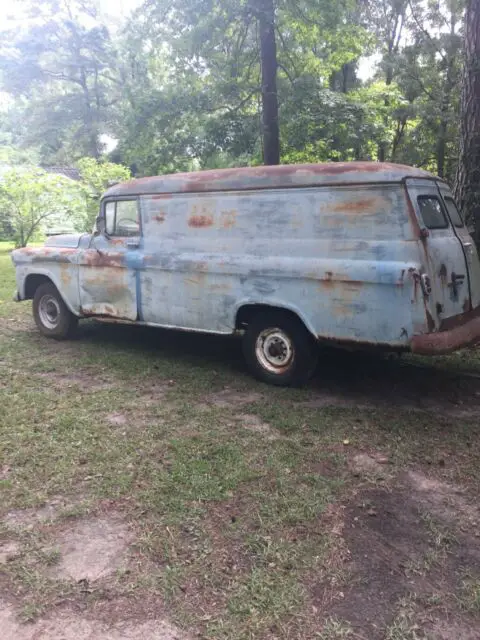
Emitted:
pixel 425 32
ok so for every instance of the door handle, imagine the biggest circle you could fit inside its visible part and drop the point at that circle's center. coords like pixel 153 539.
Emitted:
pixel 133 244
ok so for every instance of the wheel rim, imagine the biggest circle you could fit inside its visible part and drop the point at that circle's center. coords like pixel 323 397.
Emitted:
pixel 274 350
pixel 49 311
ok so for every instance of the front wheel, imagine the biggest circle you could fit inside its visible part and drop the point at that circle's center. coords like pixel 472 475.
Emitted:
pixel 279 349
pixel 51 315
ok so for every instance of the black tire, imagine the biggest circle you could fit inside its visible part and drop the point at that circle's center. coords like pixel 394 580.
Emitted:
pixel 279 350
pixel 51 315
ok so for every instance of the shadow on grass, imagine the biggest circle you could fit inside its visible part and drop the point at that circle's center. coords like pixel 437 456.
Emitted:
pixel 355 377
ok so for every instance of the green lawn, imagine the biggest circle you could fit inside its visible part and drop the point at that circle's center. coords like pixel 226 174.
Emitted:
pixel 243 498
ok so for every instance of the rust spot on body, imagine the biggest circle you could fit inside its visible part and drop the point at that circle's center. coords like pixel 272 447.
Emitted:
pixel 95 259
pixel 117 242
pixel 65 275
pixel 160 217
pixel 200 221
pixel 48 254
pixel 364 205
pixel 228 219
pixel 455 333
pixel 102 310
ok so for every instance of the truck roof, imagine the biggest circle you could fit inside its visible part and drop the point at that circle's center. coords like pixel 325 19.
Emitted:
pixel 269 177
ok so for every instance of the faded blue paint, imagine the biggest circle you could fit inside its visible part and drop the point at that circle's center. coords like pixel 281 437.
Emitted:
pixel 338 245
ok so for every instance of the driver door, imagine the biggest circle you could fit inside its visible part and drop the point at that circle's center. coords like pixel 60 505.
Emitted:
pixel 107 269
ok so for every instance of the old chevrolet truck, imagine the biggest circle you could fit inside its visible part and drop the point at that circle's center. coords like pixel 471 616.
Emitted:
pixel 289 256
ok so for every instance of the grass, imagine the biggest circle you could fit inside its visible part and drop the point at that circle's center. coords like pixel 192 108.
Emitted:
pixel 470 594
pixel 232 530
pixel 404 626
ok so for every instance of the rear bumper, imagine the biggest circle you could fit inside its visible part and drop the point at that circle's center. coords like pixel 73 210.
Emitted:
pixel 455 333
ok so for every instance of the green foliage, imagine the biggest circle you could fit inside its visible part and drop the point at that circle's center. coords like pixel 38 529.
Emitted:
pixel 31 199
pixel 179 85
pixel 96 176
pixel 61 61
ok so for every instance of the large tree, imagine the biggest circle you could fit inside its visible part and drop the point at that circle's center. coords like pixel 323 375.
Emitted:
pixel 468 174
pixel 61 60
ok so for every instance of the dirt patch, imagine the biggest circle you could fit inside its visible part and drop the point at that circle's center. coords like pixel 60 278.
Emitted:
pixel 253 423
pixel 453 630
pixel 447 501
pixel 5 472
pixel 88 381
pixel 228 398
pixel 369 465
pixel 116 419
pixel 91 549
pixel 70 626
pixel 402 542
pixel 29 518
pixel 383 536
pixel 156 390
pixel 8 550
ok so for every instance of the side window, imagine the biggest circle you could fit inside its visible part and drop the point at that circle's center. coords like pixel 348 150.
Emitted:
pixel 453 212
pixel 432 213
pixel 127 222
pixel 110 218
pixel 121 218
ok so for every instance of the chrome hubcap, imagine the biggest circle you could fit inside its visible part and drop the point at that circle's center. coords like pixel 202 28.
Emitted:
pixel 274 350
pixel 49 311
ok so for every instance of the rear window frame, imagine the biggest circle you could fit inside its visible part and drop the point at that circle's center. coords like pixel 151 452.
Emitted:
pixel 446 218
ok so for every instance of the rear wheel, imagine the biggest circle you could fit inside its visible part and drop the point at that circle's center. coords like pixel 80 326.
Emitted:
pixel 279 349
pixel 51 315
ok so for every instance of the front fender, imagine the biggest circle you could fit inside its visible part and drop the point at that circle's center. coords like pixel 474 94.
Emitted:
pixel 65 280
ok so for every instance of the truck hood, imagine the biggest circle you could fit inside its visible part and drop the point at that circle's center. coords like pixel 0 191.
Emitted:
pixel 67 240
pixel 56 249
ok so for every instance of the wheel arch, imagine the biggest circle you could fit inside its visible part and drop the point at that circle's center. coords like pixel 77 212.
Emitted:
pixel 247 309
pixel 34 280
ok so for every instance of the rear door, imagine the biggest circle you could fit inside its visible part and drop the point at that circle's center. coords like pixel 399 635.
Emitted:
pixel 445 268
pixel 469 248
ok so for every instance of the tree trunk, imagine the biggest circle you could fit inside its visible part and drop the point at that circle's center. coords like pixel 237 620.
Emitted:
pixel 268 60
pixel 383 146
pixel 467 183
pixel 446 106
